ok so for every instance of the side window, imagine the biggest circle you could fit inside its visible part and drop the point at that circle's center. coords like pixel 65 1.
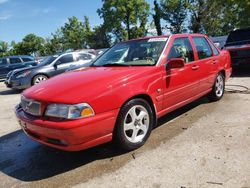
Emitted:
pixel 203 48
pixel 3 61
pixel 215 50
pixel 84 57
pixel 182 48
pixel 65 59
pixel 14 60
pixel 26 59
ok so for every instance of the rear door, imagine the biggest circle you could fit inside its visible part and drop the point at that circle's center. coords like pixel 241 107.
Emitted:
pixel 181 84
pixel 207 62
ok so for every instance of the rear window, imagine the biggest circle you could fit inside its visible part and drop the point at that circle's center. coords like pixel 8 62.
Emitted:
pixel 239 35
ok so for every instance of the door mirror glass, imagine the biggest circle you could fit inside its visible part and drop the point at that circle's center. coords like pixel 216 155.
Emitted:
pixel 176 63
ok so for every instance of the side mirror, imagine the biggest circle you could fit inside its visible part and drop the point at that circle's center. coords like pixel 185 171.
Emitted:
pixel 176 63
pixel 55 65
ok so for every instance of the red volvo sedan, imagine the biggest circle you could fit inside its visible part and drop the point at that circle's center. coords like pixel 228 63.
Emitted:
pixel 123 93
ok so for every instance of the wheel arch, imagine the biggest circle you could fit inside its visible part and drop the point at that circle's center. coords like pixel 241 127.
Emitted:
pixel 147 98
pixel 223 72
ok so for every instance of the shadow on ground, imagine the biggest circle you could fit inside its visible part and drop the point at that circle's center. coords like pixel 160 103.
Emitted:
pixel 29 161
pixel 10 92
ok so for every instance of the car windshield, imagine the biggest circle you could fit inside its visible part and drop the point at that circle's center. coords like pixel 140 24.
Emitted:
pixel 237 36
pixel 145 52
pixel 49 60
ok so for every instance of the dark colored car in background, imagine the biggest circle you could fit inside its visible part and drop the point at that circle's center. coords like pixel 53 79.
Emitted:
pixel 238 44
pixel 11 63
pixel 49 67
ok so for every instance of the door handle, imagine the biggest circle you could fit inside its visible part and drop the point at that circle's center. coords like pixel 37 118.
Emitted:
pixel 214 62
pixel 195 67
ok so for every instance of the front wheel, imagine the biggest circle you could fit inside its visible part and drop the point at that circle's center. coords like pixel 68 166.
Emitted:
pixel 39 78
pixel 134 124
pixel 218 88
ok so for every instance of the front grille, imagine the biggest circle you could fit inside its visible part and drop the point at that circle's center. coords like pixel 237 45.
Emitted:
pixel 30 106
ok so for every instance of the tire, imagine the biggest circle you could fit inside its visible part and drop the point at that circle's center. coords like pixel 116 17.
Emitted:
pixel 218 88
pixel 134 124
pixel 39 78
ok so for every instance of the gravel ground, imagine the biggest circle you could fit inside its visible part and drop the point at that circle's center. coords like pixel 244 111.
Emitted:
pixel 200 145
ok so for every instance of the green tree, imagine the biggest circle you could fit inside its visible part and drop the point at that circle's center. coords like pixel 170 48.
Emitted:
pixel 125 19
pixel 54 44
pixel 100 38
pixel 236 14
pixel 4 48
pixel 73 34
pixel 198 12
pixel 157 17
pixel 30 45
pixel 88 33
pixel 215 17
pixel 174 12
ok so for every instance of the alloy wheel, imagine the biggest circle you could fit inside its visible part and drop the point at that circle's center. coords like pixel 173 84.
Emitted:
pixel 40 79
pixel 219 86
pixel 136 124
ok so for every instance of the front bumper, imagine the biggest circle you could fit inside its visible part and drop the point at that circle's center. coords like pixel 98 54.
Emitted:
pixel 22 83
pixel 69 135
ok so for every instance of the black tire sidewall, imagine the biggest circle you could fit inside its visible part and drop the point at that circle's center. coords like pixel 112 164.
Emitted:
pixel 119 135
pixel 213 96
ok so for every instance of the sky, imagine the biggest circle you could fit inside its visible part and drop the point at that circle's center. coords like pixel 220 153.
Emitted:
pixel 42 17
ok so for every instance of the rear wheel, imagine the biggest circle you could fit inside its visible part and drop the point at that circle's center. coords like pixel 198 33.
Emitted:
pixel 218 88
pixel 39 78
pixel 134 124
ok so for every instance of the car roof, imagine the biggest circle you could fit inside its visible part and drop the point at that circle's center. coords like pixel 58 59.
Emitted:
pixel 66 53
pixel 20 56
pixel 167 36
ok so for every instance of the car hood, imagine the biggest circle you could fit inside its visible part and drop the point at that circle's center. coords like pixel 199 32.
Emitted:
pixel 24 69
pixel 84 85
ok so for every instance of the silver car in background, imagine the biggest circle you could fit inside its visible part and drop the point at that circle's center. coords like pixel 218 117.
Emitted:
pixel 49 67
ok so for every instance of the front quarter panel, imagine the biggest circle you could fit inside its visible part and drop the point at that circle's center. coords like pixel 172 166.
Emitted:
pixel 147 83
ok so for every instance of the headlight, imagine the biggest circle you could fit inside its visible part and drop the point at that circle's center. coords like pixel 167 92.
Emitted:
pixel 69 111
pixel 23 74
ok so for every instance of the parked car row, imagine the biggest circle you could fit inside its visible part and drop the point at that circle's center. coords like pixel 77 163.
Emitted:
pixel 50 66
pixel 122 93
pixel 8 64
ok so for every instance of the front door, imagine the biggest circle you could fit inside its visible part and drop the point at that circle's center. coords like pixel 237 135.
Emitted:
pixel 62 64
pixel 180 84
